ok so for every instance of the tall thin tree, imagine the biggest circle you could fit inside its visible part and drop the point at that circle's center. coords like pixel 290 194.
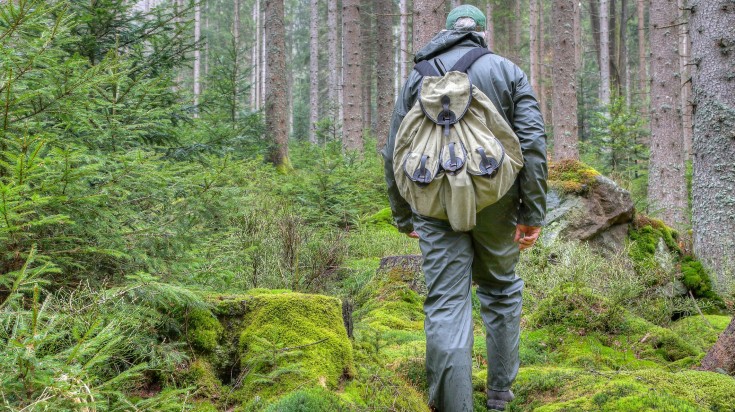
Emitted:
pixel 384 72
pixel 403 43
pixel 604 53
pixel 197 55
pixel 713 219
pixel 533 35
pixel 428 20
pixel 313 70
pixel 564 112
pixel 666 183
pixel 353 100
pixel 642 61
pixel 276 96
pixel 333 58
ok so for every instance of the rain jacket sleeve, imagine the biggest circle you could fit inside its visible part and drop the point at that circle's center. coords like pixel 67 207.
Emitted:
pixel 402 212
pixel 528 124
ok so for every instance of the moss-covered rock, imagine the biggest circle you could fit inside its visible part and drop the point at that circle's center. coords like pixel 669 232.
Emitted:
pixel 291 340
pixel 578 308
pixel 200 375
pixel 383 220
pixel 204 330
pixel 572 176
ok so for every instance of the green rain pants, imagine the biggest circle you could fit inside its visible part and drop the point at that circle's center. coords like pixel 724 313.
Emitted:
pixel 452 260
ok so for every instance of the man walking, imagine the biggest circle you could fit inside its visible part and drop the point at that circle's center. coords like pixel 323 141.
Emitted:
pixel 488 253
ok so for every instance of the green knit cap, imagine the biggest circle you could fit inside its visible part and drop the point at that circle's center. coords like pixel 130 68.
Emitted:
pixel 466 11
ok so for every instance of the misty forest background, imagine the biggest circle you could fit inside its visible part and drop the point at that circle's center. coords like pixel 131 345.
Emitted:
pixel 157 153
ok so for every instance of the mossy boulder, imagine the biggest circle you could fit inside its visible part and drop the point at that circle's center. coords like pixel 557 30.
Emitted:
pixel 201 376
pixel 309 400
pixel 204 330
pixel 292 340
pixel 382 220
pixel 576 307
pixel 584 205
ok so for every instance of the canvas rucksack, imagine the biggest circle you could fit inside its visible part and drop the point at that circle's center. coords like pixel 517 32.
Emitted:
pixel 454 153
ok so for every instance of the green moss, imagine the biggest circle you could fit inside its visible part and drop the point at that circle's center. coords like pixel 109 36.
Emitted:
pixel 700 333
pixel 292 340
pixel 309 400
pixel 696 278
pixel 572 176
pixel 383 220
pixel 204 406
pixel 576 307
pixel 200 374
pixel 204 330
pixel 378 389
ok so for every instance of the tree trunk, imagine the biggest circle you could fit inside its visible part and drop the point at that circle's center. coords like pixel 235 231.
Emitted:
pixel 721 357
pixel 565 82
pixel 428 20
pixel 384 72
pixel 490 30
pixel 255 63
pixel 332 58
pixel 604 54
pixel 533 44
pixel 642 62
pixel 403 44
pixel 578 36
pixel 613 43
pixel 236 62
pixel 666 185
pixel 367 48
pixel 353 99
pixel 276 97
pixel 713 87
pixel 197 55
pixel 314 70
pixel 263 54
pixel 515 33
pixel 623 54
pixel 595 23
pixel 686 84
pixel 546 56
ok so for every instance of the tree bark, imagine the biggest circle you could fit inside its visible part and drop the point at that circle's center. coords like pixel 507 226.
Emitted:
pixel 353 99
pixel 197 55
pixel 595 23
pixel 332 56
pixel 666 184
pixel 384 74
pixel 403 44
pixel 642 61
pixel 490 30
pixel 314 70
pixel 276 97
pixel 686 84
pixel 713 85
pixel 515 33
pixel 578 35
pixel 604 54
pixel 367 50
pixel 623 54
pixel 255 62
pixel 613 45
pixel 721 357
pixel 565 82
pixel 533 44
pixel 428 20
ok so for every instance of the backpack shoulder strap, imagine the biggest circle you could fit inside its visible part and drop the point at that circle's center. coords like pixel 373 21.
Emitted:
pixel 425 68
pixel 469 58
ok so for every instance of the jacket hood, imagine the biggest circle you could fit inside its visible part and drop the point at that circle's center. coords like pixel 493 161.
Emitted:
pixel 447 39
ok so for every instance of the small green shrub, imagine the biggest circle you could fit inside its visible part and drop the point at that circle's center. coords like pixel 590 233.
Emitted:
pixel 309 400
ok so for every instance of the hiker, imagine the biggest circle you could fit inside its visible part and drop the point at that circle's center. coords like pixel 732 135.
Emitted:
pixel 487 254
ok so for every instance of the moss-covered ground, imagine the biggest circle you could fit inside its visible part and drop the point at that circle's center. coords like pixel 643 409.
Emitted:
pixel 587 342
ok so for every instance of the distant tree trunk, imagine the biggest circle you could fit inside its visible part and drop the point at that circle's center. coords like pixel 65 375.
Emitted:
pixel 206 44
pixel 604 54
pixel 686 84
pixel 197 55
pixel 263 54
pixel 353 99
pixel 666 184
pixel 236 62
pixel 595 23
pixel 533 44
pixel 403 44
pixel 565 82
pixel 314 71
pixel 546 56
pixel 642 63
pixel 276 97
pixel 515 33
pixel 384 72
pixel 613 46
pixel 711 30
pixel 623 54
pixel 490 30
pixel 428 20
pixel 332 53
pixel 721 357
pixel 367 48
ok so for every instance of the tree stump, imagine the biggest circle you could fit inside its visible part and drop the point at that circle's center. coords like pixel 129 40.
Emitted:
pixel 721 357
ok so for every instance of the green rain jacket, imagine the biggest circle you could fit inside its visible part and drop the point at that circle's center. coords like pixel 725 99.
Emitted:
pixel 508 88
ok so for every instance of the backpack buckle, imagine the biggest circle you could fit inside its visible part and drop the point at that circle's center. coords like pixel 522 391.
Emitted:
pixel 422 175
pixel 489 166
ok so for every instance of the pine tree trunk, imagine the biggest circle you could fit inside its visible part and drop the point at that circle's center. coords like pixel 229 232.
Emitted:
pixel 236 62
pixel 490 32
pixel 197 55
pixel 546 56
pixel 595 23
pixel 642 62
pixel 713 86
pixel 565 82
pixel 255 62
pixel 533 44
pixel 515 33
pixel 403 44
pixel 686 84
pixel 721 356
pixel 332 58
pixel 578 36
pixel 352 58
pixel 604 54
pixel 384 72
pixel 613 43
pixel 428 20
pixel 276 97
pixel 314 70
pixel 263 55
pixel 367 42
pixel 623 54
pixel 666 185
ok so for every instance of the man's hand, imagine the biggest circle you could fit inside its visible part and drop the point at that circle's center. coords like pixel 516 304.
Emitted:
pixel 413 235
pixel 526 236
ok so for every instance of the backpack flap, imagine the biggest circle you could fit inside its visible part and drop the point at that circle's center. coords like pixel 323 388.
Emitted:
pixel 421 168
pixel 453 157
